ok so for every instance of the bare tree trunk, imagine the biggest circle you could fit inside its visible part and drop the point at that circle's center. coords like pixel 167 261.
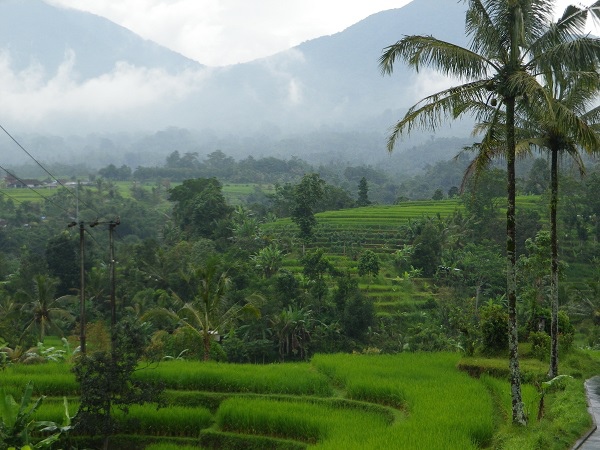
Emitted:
pixel 518 411
pixel 553 371
pixel 206 343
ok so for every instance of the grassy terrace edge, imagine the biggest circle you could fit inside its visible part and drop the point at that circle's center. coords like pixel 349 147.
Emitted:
pixel 337 401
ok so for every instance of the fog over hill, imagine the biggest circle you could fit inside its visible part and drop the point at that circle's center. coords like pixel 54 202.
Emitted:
pixel 76 86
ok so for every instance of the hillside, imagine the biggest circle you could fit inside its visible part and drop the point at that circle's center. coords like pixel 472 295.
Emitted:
pixel 79 88
pixel 36 34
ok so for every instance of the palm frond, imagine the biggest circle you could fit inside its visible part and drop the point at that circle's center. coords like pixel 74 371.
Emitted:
pixel 481 26
pixel 432 111
pixel 443 56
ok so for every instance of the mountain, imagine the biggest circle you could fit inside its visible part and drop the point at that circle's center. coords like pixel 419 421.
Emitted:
pixel 68 73
pixel 330 81
pixel 35 34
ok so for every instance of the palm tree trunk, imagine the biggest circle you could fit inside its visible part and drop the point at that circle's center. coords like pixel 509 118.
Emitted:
pixel 206 343
pixel 553 371
pixel 518 413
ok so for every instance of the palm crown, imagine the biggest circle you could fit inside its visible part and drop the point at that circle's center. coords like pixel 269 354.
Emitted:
pixel 515 45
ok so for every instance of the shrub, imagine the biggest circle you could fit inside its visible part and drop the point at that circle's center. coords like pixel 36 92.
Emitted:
pixel 540 345
pixel 565 341
pixel 494 328
pixel 368 263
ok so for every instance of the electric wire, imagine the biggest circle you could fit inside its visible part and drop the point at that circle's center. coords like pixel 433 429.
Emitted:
pixel 70 191
pixel 48 199
pixel 14 199
pixel 83 230
pixel 91 235
pixel 31 156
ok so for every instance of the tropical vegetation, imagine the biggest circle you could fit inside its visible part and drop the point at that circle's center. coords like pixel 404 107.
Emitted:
pixel 265 303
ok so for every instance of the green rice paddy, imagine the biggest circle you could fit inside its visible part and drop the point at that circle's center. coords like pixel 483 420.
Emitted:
pixel 403 401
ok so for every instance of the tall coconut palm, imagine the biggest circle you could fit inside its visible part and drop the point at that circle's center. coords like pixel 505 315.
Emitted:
pixel 566 129
pixel 570 129
pixel 512 42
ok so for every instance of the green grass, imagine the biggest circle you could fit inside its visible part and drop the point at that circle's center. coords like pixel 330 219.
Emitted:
pixel 235 193
pixel 22 195
pixel 290 378
pixel 422 385
pixel 299 421
pixel 175 421
pixel 565 420
pixel 52 379
pixel 404 401
pixel 169 446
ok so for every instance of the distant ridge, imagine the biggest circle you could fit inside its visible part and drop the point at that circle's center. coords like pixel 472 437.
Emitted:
pixel 34 32
pixel 69 73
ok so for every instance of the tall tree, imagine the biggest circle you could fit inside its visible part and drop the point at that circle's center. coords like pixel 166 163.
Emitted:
pixel 566 129
pixel 200 204
pixel 512 42
pixel 306 195
pixel 363 193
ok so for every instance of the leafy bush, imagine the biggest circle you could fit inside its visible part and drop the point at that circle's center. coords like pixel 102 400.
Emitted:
pixel 17 422
pixel 368 263
pixel 494 328
pixel 540 345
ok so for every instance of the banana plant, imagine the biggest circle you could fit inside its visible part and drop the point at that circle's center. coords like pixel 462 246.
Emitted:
pixel 17 419
pixel 17 422
pixel 547 386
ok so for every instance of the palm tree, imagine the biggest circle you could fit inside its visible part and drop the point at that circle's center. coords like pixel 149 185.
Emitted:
pixel 206 314
pixel 292 327
pixel 43 308
pixel 268 260
pixel 565 129
pixel 512 42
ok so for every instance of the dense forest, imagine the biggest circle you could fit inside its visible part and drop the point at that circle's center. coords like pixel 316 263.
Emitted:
pixel 280 290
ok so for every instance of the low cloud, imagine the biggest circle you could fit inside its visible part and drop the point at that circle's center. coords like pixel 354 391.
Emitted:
pixel 38 100
pixel 428 82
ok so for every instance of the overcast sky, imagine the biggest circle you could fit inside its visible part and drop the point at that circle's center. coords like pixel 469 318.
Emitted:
pixel 213 32
pixel 221 32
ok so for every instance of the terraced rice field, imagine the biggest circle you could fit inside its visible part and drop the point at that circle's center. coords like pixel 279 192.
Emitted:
pixel 382 216
pixel 405 401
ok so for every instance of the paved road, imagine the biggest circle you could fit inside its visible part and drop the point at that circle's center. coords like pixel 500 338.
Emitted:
pixel 592 386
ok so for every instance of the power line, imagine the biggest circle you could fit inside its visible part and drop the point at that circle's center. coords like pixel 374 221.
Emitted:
pixel 11 197
pixel 44 169
pixel 32 189
pixel 30 155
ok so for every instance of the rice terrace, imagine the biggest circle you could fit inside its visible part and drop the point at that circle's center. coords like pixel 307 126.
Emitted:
pixel 157 293
pixel 411 400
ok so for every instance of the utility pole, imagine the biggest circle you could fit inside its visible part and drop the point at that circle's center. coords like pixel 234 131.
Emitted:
pixel 113 304
pixel 82 346
pixel 81 284
pixel 82 288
